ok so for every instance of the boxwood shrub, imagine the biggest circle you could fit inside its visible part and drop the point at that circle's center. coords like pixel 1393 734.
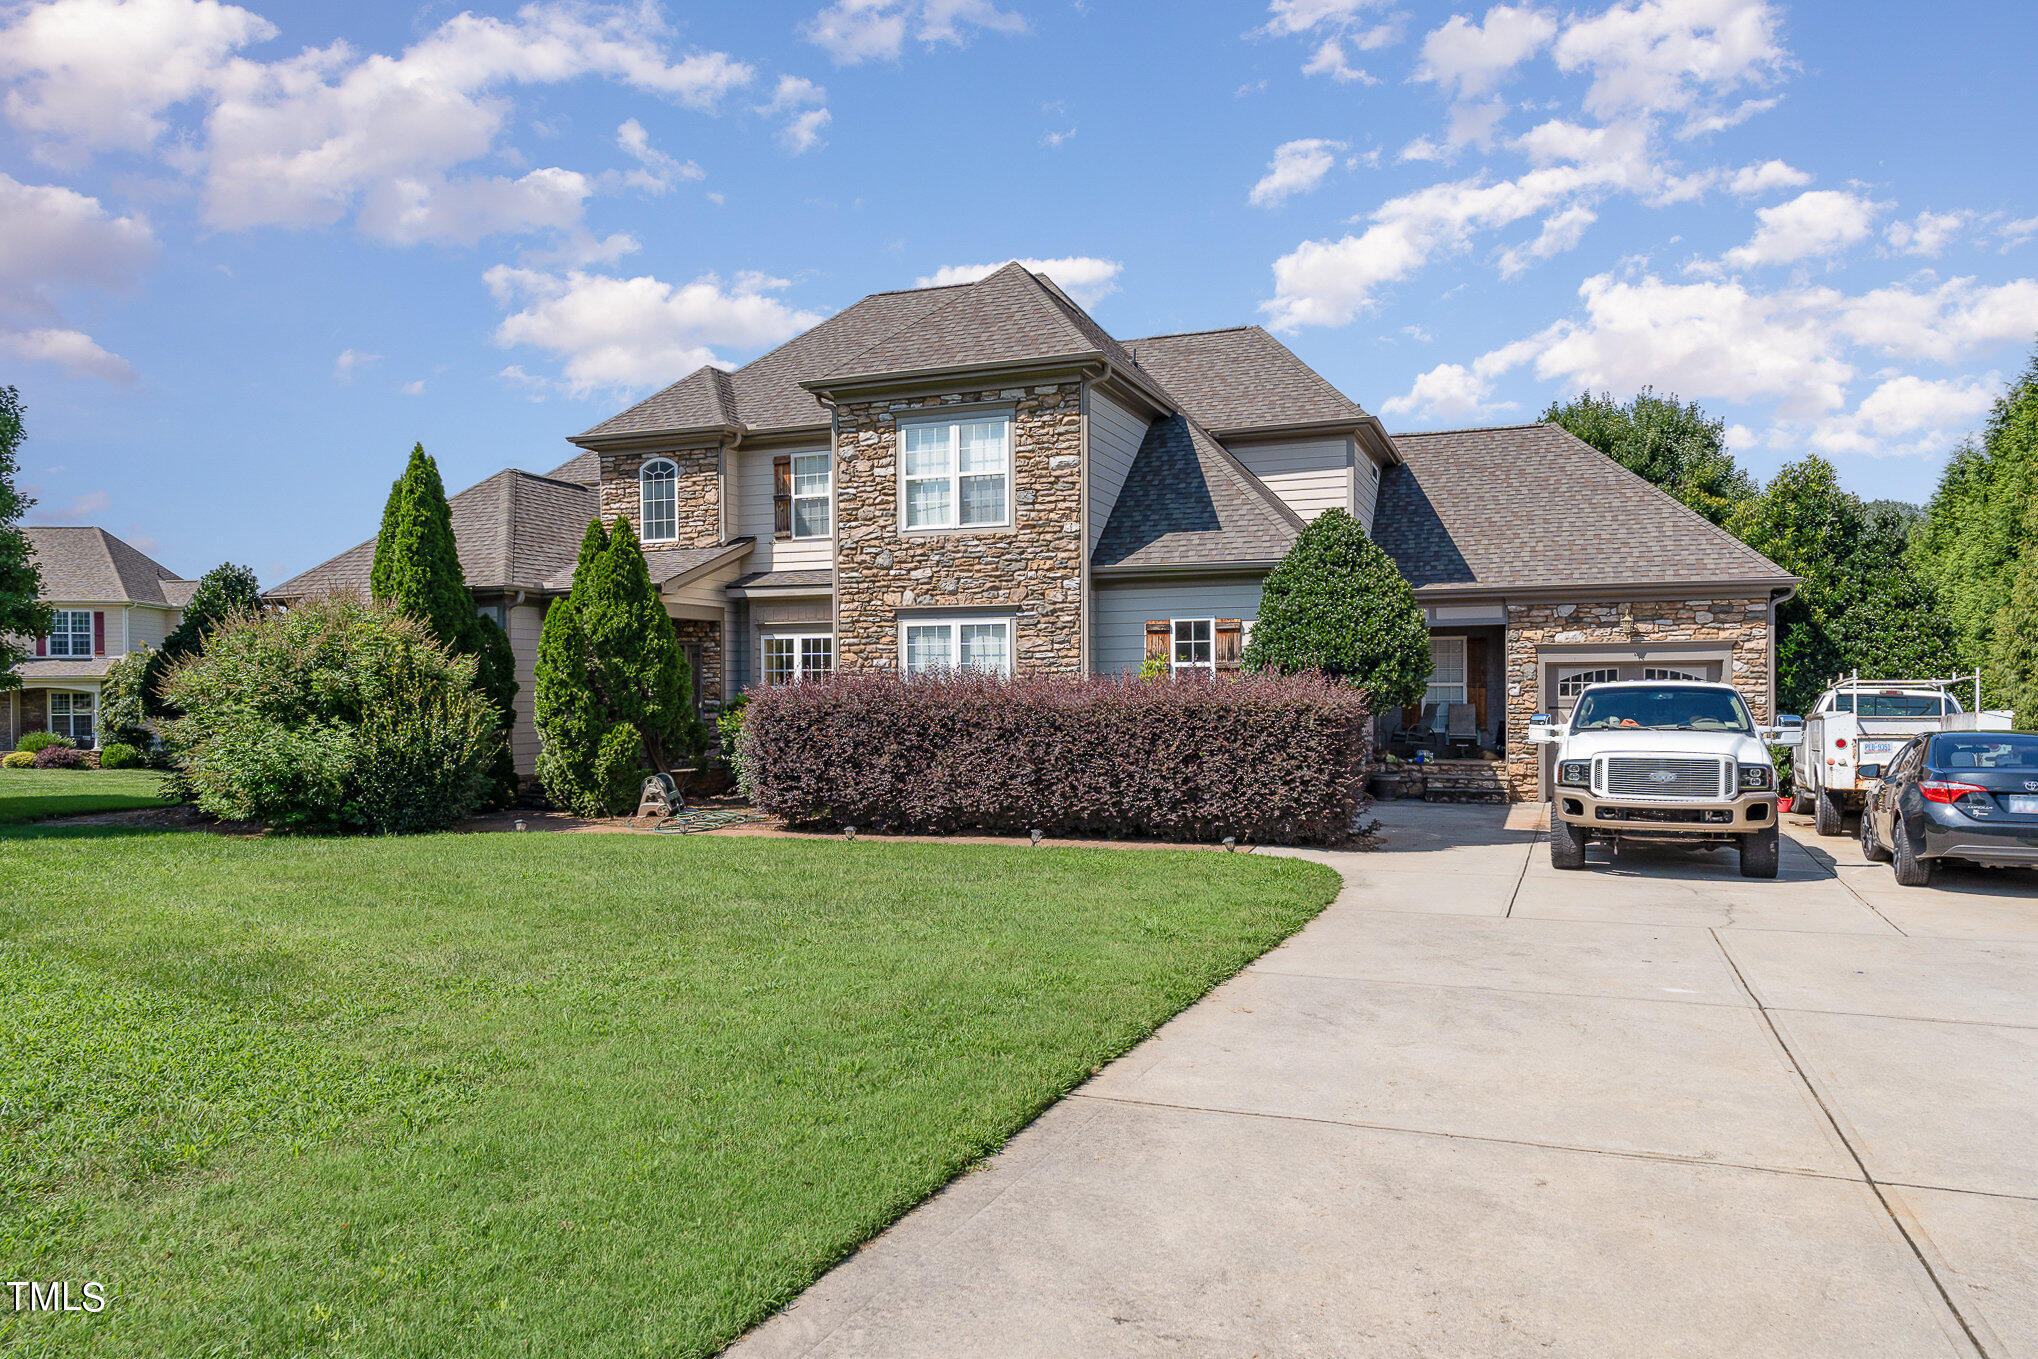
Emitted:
pixel 120 755
pixel 40 740
pixel 1265 758
pixel 18 759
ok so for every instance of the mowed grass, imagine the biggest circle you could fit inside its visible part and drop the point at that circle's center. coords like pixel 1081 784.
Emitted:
pixel 35 794
pixel 542 1094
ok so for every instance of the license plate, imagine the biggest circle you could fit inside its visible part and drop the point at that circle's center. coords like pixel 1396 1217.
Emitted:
pixel 1878 747
pixel 2023 806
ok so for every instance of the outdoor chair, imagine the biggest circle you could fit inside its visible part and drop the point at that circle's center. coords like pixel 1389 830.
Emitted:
pixel 1461 727
pixel 1425 729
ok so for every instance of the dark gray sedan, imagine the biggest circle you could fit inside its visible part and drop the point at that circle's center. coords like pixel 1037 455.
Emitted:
pixel 1969 795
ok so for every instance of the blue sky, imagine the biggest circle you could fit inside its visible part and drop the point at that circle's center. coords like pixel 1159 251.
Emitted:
pixel 248 255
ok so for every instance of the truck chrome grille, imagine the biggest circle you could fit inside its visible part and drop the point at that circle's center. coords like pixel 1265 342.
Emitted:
pixel 1662 776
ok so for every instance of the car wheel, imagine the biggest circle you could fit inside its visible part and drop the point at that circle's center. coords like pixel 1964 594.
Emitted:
pixel 1871 848
pixel 1911 871
pixel 1826 816
pixel 1567 844
pixel 1760 851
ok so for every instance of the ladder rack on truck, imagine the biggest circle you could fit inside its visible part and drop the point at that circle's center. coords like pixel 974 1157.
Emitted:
pixel 1846 730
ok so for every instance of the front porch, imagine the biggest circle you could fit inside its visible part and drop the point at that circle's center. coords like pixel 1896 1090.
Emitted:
pixel 68 709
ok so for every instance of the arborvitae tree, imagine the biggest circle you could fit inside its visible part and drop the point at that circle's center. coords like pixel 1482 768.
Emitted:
pixel 221 593
pixel 613 690
pixel 1675 446
pixel 2012 673
pixel 417 568
pixel 1337 603
pixel 22 612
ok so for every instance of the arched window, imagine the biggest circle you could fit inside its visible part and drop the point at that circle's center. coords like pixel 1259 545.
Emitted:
pixel 658 501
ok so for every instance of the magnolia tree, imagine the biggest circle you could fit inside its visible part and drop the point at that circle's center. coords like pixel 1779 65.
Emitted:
pixel 22 612
pixel 1337 603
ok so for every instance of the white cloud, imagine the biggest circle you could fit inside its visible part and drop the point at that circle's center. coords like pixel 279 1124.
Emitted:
pixel 1561 232
pixel 1297 167
pixel 416 388
pixel 351 361
pixel 1907 415
pixel 1928 233
pixel 656 172
pixel 2017 231
pixel 1674 57
pixel 853 31
pixel 1449 391
pixel 1817 222
pixel 1329 59
pixel 625 334
pixel 1336 26
pixel 1085 278
pixel 1750 180
pixel 53 241
pixel 801 102
pixel 1469 59
pixel 1940 323
pixel 1289 17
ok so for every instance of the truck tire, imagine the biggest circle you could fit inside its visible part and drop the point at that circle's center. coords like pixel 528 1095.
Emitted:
pixel 1567 844
pixel 1801 804
pixel 1760 851
pixel 1872 849
pixel 1911 871
pixel 1826 818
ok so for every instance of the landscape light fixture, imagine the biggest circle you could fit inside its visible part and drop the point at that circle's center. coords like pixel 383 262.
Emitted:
pixel 1035 836
pixel 849 832
pixel 520 825
pixel 1230 843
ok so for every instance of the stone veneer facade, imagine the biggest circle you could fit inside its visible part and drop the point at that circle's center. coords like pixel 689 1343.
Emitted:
pixel 1032 570
pixel 707 685
pixel 1741 623
pixel 699 499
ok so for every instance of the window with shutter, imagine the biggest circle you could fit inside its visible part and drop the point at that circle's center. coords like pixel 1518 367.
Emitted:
pixel 98 633
pixel 1230 642
pixel 782 496
pixel 1158 633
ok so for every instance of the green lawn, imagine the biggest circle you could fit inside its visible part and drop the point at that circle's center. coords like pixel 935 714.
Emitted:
pixel 542 1094
pixel 33 794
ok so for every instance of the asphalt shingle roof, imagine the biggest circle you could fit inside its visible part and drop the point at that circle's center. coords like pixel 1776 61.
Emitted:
pixel 1241 378
pixel 515 531
pixel 87 564
pixel 1006 317
pixel 1530 505
pixel 779 580
pixel 1187 502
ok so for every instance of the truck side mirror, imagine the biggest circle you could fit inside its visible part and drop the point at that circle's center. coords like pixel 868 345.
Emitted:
pixel 1786 736
pixel 1789 720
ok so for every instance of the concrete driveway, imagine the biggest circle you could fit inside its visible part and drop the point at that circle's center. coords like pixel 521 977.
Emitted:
pixel 1481 1108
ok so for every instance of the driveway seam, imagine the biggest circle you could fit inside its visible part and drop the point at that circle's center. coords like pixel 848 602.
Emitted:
pixel 1517 990
pixel 1660 1157
pixel 1908 1019
pixel 1895 1218
pixel 1521 877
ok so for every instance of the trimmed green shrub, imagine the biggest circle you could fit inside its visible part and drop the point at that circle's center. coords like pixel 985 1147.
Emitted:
pixel 729 730
pixel 1337 603
pixel 62 757
pixel 1268 758
pixel 119 755
pixel 335 715
pixel 18 759
pixel 123 708
pixel 38 740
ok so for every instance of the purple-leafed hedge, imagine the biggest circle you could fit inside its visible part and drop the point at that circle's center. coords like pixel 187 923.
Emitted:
pixel 1269 759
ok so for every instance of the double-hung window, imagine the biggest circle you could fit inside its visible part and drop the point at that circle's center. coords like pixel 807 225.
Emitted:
pixel 956 473
pixel 1195 645
pixel 811 495
pixel 792 657
pixel 1446 670
pixel 71 715
pixel 658 500
pixel 958 644
pixel 71 633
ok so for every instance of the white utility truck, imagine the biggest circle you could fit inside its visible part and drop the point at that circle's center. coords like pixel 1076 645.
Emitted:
pixel 1858 722
pixel 1676 760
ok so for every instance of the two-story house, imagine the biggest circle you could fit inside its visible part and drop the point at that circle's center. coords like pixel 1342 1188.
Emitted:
pixel 979 475
pixel 109 598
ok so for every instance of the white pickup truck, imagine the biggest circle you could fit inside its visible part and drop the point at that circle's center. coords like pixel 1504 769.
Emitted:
pixel 1859 722
pixel 1663 760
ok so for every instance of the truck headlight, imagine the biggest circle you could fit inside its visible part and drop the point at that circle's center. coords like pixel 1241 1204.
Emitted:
pixel 1575 773
pixel 1757 778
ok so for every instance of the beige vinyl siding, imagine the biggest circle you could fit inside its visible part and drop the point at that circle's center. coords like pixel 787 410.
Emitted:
pixel 525 622
pixel 754 516
pixel 784 615
pixel 1311 475
pixel 1118 619
pixel 1115 436
pixel 1365 491
pixel 703 597
pixel 145 627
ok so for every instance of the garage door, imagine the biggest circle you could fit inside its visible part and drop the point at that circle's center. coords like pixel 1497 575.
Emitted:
pixel 1565 681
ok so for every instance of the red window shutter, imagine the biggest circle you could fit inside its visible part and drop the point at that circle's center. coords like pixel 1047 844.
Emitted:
pixel 42 646
pixel 98 633
pixel 782 496
pixel 1230 641
pixel 1159 637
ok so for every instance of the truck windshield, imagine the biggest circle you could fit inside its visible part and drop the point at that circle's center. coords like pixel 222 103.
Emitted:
pixel 1661 708
pixel 2007 751
pixel 1892 705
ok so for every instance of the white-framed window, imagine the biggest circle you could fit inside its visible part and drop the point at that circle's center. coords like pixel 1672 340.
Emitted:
pixel 1571 683
pixel 955 473
pixel 71 633
pixel 71 715
pixel 1446 671
pixel 658 500
pixel 957 644
pixel 1194 645
pixel 790 657
pixel 813 492
pixel 1664 672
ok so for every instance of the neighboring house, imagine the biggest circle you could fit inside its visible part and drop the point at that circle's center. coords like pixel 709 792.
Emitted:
pixel 109 599
pixel 978 475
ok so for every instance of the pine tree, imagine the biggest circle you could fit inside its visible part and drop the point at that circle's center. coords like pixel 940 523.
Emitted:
pixel 1337 603
pixel 417 568
pixel 221 593
pixel 22 612
pixel 613 692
